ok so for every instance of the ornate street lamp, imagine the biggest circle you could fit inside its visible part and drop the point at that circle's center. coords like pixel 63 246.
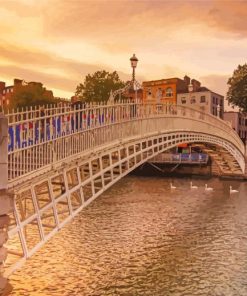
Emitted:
pixel 218 110
pixel 133 61
pixel 131 85
pixel 190 87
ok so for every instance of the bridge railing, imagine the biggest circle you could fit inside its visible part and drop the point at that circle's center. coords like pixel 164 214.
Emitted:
pixel 41 136
pixel 190 158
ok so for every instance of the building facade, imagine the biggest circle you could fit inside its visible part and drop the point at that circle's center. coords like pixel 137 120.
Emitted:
pixel 202 99
pixel 163 90
pixel 6 92
pixel 239 123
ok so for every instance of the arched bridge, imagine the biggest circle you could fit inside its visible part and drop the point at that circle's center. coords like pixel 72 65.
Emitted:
pixel 59 159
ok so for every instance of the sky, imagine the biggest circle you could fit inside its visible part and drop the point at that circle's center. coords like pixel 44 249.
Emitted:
pixel 58 42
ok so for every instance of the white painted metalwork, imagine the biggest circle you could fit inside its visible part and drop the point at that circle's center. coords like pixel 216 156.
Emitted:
pixel 40 138
pixel 180 158
pixel 56 169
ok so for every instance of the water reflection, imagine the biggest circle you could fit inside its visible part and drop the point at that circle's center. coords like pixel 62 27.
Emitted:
pixel 142 238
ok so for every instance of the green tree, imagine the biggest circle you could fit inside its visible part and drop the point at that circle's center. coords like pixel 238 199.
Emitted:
pixel 32 94
pixel 97 87
pixel 237 93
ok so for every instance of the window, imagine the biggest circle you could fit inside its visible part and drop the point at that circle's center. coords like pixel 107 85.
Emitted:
pixel 169 92
pixel 245 122
pixel 203 99
pixel 239 120
pixel 193 100
pixel 213 100
pixel 216 101
pixel 149 92
pixel 183 100
pixel 158 95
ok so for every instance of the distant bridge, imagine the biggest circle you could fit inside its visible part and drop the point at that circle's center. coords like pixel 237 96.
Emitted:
pixel 57 160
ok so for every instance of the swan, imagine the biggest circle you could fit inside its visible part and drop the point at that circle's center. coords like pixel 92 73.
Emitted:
pixel 172 187
pixel 193 186
pixel 233 190
pixel 208 188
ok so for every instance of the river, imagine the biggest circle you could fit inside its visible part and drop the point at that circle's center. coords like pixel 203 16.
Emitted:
pixel 142 238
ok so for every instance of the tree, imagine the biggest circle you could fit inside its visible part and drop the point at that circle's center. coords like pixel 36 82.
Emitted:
pixel 237 93
pixel 97 87
pixel 32 94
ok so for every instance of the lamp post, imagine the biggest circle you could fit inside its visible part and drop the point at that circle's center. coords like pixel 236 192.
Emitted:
pixel 133 61
pixel 218 110
pixel 190 89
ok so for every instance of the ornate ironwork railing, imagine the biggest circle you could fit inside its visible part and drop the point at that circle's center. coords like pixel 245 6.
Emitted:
pixel 180 158
pixel 39 137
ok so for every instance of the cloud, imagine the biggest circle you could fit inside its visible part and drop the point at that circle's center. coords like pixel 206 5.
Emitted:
pixel 49 80
pixel 123 21
pixel 69 39
pixel 33 64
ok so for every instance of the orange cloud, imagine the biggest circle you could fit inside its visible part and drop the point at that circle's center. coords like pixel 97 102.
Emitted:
pixel 69 39
pixel 118 21
pixel 32 64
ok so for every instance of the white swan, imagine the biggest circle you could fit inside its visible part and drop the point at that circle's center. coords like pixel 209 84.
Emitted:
pixel 172 187
pixel 193 186
pixel 233 190
pixel 208 188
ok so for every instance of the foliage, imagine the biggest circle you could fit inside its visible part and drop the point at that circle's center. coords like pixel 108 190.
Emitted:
pixel 32 94
pixel 97 87
pixel 237 93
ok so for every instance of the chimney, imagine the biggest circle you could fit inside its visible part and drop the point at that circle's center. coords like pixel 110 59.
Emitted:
pixel 187 80
pixel 17 81
pixel 196 84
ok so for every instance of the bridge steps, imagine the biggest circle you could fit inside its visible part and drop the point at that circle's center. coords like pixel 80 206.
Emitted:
pixel 224 163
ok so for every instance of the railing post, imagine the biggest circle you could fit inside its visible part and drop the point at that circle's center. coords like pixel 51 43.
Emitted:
pixel 6 199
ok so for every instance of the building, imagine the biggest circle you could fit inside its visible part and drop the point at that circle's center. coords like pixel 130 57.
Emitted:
pixel 132 95
pixel 163 90
pixel 6 92
pixel 238 121
pixel 201 98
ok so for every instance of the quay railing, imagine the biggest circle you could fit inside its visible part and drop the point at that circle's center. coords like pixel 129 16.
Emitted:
pixel 191 158
pixel 40 136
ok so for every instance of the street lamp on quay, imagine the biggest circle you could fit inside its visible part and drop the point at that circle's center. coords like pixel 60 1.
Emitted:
pixel 218 110
pixel 133 61
pixel 132 84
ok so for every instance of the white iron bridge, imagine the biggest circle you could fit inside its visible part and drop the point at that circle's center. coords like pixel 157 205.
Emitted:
pixel 59 159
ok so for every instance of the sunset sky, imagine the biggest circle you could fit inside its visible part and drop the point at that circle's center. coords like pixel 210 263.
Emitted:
pixel 58 42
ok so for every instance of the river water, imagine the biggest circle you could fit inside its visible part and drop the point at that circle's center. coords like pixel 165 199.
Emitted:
pixel 142 238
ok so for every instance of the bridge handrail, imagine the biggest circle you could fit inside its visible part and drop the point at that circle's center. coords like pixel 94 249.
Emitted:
pixel 193 157
pixel 22 125
pixel 37 131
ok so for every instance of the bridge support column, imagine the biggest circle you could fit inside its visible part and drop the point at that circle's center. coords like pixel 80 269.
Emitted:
pixel 6 199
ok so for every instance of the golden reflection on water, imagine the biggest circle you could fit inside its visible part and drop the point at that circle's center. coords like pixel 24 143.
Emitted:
pixel 142 238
